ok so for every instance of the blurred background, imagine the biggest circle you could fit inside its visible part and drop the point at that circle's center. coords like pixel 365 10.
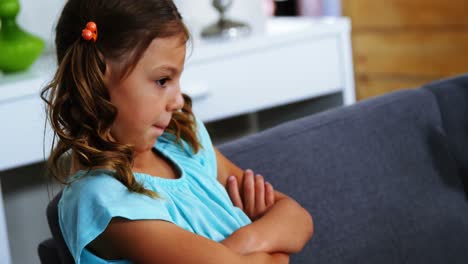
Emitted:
pixel 348 50
pixel 400 44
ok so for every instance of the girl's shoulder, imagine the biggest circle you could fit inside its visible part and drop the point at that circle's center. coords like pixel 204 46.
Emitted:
pixel 91 185
pixel 92 199
pixel 98 192
pixel 89 178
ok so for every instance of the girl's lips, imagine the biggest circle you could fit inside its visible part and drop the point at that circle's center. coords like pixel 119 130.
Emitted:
pixel 160 128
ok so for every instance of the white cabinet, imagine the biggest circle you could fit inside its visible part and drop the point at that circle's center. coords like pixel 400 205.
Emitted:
pixel 267 76
pixel 22 132
pixel 296 59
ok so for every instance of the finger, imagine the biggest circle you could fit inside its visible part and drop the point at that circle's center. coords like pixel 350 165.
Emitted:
pixel 259 194
pixel 269 195
pixel 233 191
pixel 249 192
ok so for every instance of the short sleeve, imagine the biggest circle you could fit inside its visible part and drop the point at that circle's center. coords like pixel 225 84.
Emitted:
pixel 89 203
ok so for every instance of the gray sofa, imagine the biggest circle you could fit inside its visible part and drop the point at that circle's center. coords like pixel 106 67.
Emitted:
pixel 383 179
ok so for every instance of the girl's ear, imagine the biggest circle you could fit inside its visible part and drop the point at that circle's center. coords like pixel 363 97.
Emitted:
pixel 104 67
pixel 107 73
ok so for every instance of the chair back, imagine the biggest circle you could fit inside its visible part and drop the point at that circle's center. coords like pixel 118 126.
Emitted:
pixel 62 251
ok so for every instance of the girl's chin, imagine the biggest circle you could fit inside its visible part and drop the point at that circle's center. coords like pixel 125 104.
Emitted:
pixel 147 143
pixel 143 148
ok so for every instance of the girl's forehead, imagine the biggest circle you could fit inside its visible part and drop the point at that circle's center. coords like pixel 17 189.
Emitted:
pixel 170 50
pixel 161 54
pixel 165 45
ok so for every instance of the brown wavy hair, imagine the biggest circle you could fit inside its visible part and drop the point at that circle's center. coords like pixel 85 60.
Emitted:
pixel 77 102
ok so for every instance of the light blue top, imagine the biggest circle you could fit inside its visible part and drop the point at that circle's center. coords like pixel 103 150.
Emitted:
pixel 196 201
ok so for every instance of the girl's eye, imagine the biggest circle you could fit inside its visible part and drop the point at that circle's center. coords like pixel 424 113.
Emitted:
pixel 162 81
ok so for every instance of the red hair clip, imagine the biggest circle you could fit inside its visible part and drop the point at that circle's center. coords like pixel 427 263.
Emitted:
pixel 90 32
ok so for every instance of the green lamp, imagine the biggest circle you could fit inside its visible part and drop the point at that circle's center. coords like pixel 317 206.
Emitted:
pixel 18 49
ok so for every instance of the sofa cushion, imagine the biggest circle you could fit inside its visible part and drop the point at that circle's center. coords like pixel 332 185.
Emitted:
pixel 377 177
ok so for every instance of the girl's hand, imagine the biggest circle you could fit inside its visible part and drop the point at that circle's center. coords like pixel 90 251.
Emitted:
pixel 256 197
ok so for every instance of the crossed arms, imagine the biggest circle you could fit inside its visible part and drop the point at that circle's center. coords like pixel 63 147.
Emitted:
pixel 279 223
pixel 280 227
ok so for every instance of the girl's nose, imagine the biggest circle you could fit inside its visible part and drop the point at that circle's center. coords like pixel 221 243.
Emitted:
pixel 177 102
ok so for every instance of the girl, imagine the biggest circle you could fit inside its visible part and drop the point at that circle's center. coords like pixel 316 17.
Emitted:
pixel 145 184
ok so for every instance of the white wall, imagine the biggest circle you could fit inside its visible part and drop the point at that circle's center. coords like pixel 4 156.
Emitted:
pixel 319 7
pixel 40 16
pixel 200 13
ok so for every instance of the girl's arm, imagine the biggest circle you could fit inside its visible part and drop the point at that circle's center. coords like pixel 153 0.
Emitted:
pixel 156 241
pixel 284 227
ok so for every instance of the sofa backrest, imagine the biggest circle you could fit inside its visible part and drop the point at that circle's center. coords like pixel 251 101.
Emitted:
pixel 452 98
pixel 378 178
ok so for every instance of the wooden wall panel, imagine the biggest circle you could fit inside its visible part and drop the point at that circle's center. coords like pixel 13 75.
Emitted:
pixel 405 43
pixel 375 85
pixel 420 53
pixel 367 14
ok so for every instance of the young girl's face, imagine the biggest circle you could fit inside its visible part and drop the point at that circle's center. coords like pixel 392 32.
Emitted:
pixel 147 98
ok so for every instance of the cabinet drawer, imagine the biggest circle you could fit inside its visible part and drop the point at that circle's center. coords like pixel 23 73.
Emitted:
pixel 263 78
pixel 23 132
